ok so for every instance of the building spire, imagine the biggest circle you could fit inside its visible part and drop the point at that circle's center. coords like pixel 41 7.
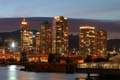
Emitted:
pixel 24 19
pixel 24 23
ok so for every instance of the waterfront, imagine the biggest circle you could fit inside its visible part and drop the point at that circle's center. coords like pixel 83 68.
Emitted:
pixel 12 72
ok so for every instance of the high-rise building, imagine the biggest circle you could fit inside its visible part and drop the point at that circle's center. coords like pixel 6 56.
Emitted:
pixel 92 41
pixel 87 40
pixel 38 42
pixel 60 35
pixel 27 41
pixel 101 41
pixel 46 37
pixel 26 36
pixel 23 25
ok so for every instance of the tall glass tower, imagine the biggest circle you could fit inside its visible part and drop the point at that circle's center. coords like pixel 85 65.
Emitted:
pixel 92 41
pixel 46 37
pixel 60 35
pixel 87 40
pixel 101 41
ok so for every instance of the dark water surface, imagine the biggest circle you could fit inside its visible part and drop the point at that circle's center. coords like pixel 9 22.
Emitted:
pixel 12 72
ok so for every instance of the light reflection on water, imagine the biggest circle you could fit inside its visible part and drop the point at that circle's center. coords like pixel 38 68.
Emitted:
pixel 13 72
pixel 12 75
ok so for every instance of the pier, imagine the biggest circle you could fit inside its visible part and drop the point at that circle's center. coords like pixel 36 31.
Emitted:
pixel 99 68
pixel 88 68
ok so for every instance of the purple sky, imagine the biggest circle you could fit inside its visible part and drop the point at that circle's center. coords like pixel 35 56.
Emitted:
pixel 112 27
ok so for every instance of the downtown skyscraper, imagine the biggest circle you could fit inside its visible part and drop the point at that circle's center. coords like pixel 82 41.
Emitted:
pixel 87 40
pixel 92 40
pixel 46 37
pixel 37 42
pixel 101 41
pixel 60 35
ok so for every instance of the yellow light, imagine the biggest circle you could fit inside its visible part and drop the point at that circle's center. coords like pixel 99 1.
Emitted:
pixel 80 61
pixel 65 34
pixel 65 18
pixel 23 23
pixel 57 18
pixel 38 33
pixel 87 27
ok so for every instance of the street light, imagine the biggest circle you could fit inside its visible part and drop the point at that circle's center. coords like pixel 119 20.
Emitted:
pixel 13 44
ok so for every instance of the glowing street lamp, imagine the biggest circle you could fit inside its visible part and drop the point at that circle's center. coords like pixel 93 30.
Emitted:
pixel 13 45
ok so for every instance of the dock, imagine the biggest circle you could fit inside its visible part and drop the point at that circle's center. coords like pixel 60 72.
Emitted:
pixel 88 68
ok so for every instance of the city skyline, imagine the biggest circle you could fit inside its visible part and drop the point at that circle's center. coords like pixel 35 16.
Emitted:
pixel 93 9
pixel 99 13
pixel 59 39
pixel 13 24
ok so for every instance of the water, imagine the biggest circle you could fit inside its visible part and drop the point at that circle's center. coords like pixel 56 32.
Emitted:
pixel 13 72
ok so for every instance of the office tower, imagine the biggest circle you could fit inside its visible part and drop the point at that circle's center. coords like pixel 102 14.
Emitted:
pixel 27 42
pixel 101 41
pixel 46 37
pixel 60 35
pixel 38 42
pixel 87 40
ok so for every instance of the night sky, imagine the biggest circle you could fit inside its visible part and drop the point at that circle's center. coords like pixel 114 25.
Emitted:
pixel 90 9
pixel 107 11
